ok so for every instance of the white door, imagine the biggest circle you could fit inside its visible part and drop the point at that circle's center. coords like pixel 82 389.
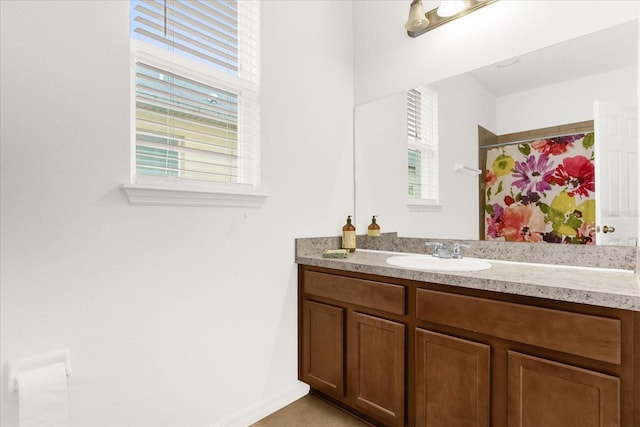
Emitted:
pixel 616 167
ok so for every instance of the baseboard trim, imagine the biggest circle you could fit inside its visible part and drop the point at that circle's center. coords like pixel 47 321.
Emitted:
pixel 261 409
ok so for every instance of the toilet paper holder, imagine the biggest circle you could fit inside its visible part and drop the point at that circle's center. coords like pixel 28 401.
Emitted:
pixel 15 367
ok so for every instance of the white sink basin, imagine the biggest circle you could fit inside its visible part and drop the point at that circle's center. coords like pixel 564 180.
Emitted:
pixel 430 263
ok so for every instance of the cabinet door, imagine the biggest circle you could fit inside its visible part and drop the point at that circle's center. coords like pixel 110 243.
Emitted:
pixel 323 347
pixel 452 381
pixel 376 367
pixel 551 394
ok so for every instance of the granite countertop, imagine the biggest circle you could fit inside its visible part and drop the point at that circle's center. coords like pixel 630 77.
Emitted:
pixel 607 287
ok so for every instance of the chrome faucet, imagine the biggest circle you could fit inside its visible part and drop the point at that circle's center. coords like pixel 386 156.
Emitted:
pixel 440 250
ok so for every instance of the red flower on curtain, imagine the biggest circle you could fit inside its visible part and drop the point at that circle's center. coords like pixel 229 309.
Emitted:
pixel 577 174
pixel 557 145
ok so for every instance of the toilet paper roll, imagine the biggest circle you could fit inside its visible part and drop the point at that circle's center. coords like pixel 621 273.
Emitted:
pixel 42 396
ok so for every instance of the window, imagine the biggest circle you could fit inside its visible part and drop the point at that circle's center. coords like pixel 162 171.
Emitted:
pixel 195 80
pixel 422 137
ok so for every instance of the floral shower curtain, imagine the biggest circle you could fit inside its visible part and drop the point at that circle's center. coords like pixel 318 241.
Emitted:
pixel 542 191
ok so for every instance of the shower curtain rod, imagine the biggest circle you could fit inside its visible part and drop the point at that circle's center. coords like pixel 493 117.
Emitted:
pixel 502 144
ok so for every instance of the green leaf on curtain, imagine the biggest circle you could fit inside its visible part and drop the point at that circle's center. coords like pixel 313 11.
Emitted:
pixel 588 140
pixel 499 190
pixel 524 149
pixel 544 207
pixel 489 209
pixel 573 222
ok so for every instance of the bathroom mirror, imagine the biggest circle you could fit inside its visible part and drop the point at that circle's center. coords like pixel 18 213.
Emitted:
pixel 554 86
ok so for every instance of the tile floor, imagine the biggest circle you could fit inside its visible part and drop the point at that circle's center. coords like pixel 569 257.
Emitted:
pixel 309 411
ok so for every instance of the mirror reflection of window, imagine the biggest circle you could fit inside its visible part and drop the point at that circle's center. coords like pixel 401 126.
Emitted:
pixel 422 137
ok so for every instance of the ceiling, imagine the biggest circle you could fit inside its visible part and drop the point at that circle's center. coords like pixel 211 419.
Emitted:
pixel 599 52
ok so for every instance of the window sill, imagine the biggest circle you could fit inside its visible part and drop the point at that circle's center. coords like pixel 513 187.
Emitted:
pixel 144 194
pixel 423 206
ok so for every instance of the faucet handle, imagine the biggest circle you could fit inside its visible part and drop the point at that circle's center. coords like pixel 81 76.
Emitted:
pixel 457 251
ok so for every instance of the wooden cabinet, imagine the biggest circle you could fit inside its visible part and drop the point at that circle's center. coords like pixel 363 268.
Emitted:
pixel 452 381
pixel 550 367
pixel 551 394
pixel 352 344
pixel 376 367
pixel 322 362
pixel 405 353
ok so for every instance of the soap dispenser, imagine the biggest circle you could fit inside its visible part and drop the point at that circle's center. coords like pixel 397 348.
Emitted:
pixel 374 228
pixel 349 236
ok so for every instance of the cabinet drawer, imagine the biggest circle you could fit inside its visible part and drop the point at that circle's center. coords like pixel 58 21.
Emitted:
pixel 579 334
pixel 364 293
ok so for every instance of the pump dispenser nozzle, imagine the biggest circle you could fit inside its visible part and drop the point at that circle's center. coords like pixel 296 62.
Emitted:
pixel 374 228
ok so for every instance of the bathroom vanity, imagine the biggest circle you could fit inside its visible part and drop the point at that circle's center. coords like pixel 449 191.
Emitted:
pixel 515 345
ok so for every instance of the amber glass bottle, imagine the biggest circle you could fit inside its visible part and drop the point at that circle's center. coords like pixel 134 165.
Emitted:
pixel 349 236
pixel 374 228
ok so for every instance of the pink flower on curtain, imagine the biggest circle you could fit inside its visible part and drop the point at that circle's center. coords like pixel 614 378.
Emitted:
pixel 490 177
pixel 523 223
pixel 577 174
pixel 557 145
pixel 587 233
pixel 533 175
pixel 494 221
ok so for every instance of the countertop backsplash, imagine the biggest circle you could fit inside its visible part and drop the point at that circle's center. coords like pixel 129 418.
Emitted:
pixel 618 257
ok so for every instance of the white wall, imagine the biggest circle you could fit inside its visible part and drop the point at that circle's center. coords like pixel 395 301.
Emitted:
pixel 381 161
pixel 567 102
pixel 174 316
pixel 388 61
pixel 381 167
pixel 464 104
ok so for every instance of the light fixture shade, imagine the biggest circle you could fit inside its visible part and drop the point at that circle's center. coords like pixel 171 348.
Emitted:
pixel 448 10
pixel 417 18
pixel 450 7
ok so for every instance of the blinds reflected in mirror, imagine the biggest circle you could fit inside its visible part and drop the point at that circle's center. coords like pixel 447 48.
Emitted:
pixel 422 137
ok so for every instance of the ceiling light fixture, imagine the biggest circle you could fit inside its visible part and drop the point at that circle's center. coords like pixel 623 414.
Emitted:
pixel 450 8
pixel 417 18
pixel 420 22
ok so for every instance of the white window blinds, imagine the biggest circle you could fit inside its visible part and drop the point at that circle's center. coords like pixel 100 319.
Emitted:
pixel 422 137
pixel 196 82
